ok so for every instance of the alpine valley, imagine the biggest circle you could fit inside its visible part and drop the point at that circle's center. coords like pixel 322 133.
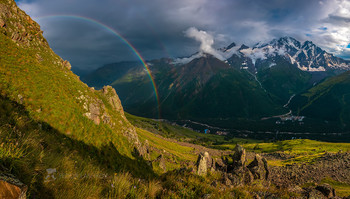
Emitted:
pixel 282 85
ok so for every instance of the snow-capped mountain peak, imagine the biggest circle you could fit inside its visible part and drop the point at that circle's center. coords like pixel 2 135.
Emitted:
pixel 306 56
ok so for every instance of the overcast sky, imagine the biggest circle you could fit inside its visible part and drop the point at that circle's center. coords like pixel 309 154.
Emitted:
pixel 157 28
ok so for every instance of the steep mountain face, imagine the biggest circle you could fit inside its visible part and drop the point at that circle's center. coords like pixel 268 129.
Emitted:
pixel 201 89
pixel 328 101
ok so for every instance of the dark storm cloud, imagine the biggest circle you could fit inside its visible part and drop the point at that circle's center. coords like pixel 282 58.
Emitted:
pixel 156 27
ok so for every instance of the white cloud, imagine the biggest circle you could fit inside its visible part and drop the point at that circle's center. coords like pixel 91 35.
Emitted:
pixel 206 40
pixel 333 31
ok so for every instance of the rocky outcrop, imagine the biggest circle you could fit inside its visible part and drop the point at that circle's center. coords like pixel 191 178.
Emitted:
pixel 237 173
pixel 18 26
pixel 259 168
pixel 11 187
pixel 66 64
pixel 110 93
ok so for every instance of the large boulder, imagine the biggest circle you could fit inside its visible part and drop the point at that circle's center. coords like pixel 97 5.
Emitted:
pixel 259 168
pixel 204 163
pixel 11 187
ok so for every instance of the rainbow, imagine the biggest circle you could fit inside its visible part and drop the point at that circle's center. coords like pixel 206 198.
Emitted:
pixel 123 39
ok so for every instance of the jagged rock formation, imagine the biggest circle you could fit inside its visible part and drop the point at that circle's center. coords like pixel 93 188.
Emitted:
pixel 259 168
pixel 239 157
pixel 11 187
pixel 235 173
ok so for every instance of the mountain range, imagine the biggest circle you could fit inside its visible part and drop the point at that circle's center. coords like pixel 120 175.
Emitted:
pixel 252 83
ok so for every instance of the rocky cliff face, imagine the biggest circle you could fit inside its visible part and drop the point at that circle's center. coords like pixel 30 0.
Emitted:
pixel 24 31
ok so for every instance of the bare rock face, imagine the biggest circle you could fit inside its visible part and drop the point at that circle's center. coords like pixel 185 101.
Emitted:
pixel 259 168
pixel 10 187
pixel 95 112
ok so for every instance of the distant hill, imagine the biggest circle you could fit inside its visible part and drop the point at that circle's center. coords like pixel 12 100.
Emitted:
pixel 109 73
pixel 328 101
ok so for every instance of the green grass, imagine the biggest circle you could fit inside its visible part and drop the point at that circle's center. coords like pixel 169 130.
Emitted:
pixel 172 130
pixel 303 150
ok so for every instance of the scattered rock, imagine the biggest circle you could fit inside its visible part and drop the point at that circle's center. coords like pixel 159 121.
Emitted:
pixel 20 99
pixel 257 197
pixel 50 174
pixel 314 194
pixel 206 196
pixel 11 187
pixel 326 190
pixel 106 119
